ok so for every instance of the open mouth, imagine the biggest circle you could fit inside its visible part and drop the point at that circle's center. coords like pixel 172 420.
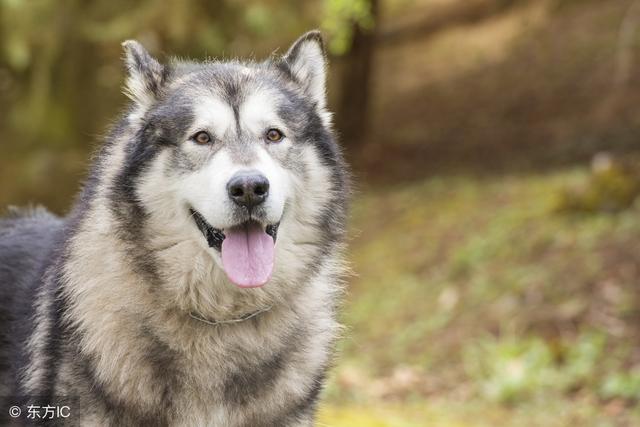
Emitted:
pixel 247 249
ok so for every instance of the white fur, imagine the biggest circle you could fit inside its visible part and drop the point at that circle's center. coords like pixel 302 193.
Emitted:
pixel 258 113
pixel 279 184
pixel 136 90
pixel 309 67
pixel 213 115
pixel 206 189
pixel 141 68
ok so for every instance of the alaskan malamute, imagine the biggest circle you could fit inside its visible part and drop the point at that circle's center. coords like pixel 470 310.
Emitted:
pixel 195 281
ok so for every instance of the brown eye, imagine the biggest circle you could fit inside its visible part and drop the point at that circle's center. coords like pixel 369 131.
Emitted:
pixel 274 135
pixel 202 137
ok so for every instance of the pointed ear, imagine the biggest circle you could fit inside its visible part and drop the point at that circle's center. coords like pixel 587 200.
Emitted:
pixel 307 62
pixel 146 76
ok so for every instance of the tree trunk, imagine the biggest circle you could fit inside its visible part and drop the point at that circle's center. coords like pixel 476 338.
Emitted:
pixel 353 105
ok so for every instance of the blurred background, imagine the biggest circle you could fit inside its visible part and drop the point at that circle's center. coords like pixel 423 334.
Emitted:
pixel 495 234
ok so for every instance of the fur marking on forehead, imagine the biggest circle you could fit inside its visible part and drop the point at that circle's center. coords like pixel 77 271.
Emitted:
pixel 213 114
pixel 259 109
pixel 252 110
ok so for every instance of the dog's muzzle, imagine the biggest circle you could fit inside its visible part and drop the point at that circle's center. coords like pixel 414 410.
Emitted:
pixel 215 236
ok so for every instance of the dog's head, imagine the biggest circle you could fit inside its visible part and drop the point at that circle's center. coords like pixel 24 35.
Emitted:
pixel 239 157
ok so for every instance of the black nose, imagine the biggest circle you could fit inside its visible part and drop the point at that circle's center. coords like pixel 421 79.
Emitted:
pixel 248 189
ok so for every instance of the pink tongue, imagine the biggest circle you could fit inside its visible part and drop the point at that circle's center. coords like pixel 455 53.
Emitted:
pixel 247 255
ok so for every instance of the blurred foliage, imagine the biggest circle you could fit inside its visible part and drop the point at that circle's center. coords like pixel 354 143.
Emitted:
pixel 510 370
pixel 48 94
pixel 513 369
pixel 612 186
pixel 339 17
pixel 625 385
pixel 376 417
pixel 487 293
pixel 533 88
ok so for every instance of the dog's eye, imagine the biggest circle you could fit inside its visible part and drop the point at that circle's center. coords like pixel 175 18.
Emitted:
pixel 202 137
pixel 274 135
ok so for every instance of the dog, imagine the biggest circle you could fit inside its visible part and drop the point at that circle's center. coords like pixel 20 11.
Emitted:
pixel 196 280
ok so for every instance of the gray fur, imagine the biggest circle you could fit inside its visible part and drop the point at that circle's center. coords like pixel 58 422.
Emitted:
pixel 98 306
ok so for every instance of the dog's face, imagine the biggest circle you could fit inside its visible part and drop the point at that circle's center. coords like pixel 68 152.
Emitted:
pixel 239 157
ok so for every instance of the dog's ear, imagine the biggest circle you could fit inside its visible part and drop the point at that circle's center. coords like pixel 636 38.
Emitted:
pixel 145 75
pixel 307 62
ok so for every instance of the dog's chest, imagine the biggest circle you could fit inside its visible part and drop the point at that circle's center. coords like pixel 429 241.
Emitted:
pixel 247 390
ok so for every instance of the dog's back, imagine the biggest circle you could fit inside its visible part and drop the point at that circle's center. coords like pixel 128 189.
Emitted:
pixel 27 239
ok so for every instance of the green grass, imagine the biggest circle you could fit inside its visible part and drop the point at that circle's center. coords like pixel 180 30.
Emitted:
pixel 452 413
pixel 480 289
pixel 379 416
